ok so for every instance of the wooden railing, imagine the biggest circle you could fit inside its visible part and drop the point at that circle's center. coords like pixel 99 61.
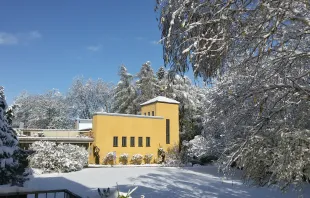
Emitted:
pixel 63 193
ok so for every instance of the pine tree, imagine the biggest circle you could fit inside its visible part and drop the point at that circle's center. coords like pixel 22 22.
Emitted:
pixel 146 84
pixel 161 73
pixel 10 169
pixel 162 78
pixel 125 94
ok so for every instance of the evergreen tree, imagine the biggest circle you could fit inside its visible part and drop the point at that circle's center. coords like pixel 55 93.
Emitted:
pixel 161 73
pixel 125 94
pixel 190 98
pixel 146 84
pixel 161 81
pixel 10 169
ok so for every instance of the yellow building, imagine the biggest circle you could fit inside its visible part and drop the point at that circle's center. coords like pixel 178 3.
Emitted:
pixel 157 126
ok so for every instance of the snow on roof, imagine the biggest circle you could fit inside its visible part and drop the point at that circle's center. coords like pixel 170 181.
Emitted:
pixel 160 99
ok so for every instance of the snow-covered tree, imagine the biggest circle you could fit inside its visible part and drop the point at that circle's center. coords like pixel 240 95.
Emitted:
pixel 10 168
pixel 162 82
pixel 51 157
pixel 203 146
pixel 43 111
pixel 161 73
pixel 257 54
pixel 181 89
pixel 86 97
pixel 125 94
pixel 146 85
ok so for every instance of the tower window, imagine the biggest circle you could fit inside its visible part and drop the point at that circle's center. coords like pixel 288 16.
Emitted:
pixel 167 131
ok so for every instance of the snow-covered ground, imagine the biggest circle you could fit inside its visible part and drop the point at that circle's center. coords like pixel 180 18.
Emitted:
pixel 159 182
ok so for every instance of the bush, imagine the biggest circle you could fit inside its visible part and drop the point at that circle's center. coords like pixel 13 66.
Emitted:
pixel 161 154
pixel 109 159
pixel 50 157
pixel 148 158
pixel 137 159
pixel 173 156
pixel 123 158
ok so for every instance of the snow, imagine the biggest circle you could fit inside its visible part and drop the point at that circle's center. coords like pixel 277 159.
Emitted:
pixel 123 166
pixel 160 99
pixel 152 182
pixel 12 189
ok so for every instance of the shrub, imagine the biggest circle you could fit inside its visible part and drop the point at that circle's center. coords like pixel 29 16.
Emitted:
pixel 173 156
pixel 148 158
pixel 137 159
pixel 109 159
pixel 161 154
pixel 123 158
pixel 50 157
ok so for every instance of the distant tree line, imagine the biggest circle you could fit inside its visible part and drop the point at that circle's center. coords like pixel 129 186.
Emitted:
pixel 55 110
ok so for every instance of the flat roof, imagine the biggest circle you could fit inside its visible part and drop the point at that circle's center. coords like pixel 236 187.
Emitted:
pixel 58 139
pixel 128 115
pixel 160 99
pixel 84 120
pixel 33 129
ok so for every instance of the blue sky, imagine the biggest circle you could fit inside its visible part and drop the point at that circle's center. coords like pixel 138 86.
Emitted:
pixel 45 44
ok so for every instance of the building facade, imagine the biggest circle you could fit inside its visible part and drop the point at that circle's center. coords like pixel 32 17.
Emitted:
pixel 156 127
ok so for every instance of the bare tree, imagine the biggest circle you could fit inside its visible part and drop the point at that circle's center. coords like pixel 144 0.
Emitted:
pixel 86 97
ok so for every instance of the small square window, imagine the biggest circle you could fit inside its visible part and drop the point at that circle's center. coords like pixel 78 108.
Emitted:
pixel 140 142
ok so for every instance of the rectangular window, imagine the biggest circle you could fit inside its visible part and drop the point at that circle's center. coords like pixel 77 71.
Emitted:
pixel 140 142
pixel 115 141
pixel 148 142
pixel 132 141
pixel 145 114
pixel 124 141
pixel 153 113
pixel 167 131
pixel 148 113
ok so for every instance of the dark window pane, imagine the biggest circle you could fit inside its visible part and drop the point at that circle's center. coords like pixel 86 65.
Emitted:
pixel 115 141
pixel 124 141
pixel 140 142
pixel 148 113
pixel 153 113
pixel 148 142
pixel 167 131
pixel 132 141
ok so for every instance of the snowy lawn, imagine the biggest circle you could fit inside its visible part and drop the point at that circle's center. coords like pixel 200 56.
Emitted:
pixel 196 182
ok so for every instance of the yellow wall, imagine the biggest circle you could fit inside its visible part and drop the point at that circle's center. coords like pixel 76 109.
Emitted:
pixel 171 112
pixel 106 126
pixel 149 108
